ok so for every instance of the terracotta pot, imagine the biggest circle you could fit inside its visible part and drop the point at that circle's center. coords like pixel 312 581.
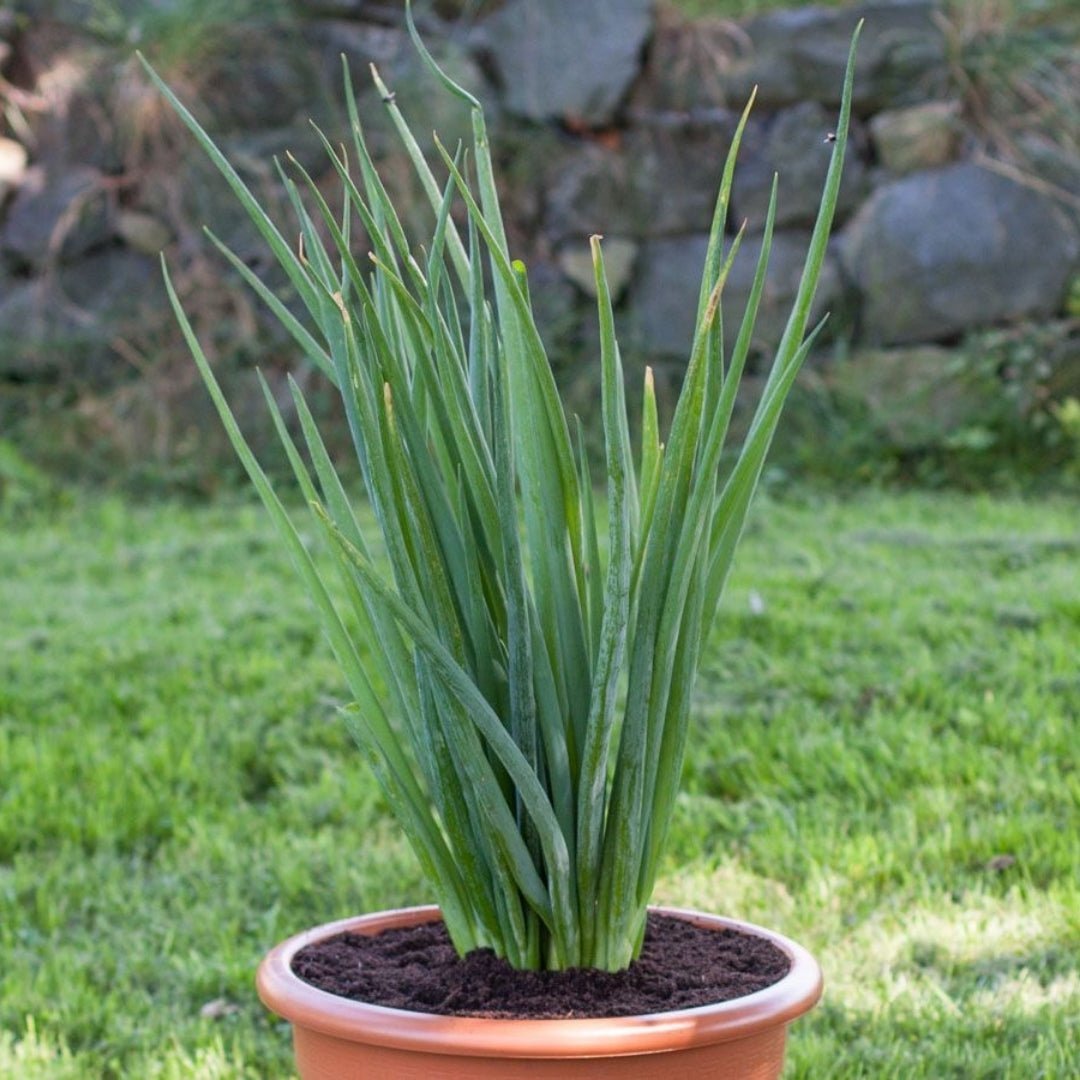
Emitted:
pixel 339 1039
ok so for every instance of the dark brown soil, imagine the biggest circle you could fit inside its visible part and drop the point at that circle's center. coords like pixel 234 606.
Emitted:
pixel 681 966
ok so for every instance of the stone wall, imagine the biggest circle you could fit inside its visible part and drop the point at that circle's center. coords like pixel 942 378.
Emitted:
pixel 608 117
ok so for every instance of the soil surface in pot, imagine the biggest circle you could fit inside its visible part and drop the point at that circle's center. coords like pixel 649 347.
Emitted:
pixel 416 968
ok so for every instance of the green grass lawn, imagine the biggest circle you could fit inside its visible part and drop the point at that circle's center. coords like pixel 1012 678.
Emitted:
pixel 885 767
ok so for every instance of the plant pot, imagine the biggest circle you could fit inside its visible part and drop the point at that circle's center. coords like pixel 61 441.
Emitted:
pixel 339 1039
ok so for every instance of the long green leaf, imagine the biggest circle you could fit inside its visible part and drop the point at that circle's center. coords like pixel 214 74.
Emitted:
pixel 593 783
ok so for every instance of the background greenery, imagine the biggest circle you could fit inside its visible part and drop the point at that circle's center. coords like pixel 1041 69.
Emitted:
pixel 883 766
pixel 1012 66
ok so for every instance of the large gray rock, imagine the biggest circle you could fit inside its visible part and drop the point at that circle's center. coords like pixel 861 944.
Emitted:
pixel 262 80
pixel 917 397
pixel 254 76
pixel 112 284
pixel 75 83
pixel 686 67
pixel 566 59
pixel 676 173
pixel 793 142
pixel 63 326
pixel 84 129
pixel 917 137
pixel 55 215
pixel 939 253
pixel 664 297
pixel 658 181
pixel 800 54
pixel 590 188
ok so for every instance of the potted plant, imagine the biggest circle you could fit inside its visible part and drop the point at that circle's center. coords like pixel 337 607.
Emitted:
pixel 521 690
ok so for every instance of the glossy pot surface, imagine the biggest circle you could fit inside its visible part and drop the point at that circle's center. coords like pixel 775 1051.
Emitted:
pixel 339 1039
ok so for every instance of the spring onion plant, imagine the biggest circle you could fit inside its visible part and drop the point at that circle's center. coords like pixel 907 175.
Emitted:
pixel 520 689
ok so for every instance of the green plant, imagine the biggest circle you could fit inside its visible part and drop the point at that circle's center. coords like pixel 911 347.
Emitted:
pixel 489 664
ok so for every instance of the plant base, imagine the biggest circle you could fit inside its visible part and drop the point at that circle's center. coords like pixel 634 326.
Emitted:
pixel 337 1038
pixel 416 968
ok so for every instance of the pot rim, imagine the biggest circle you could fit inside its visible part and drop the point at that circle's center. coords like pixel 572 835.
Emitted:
pixel 307 1006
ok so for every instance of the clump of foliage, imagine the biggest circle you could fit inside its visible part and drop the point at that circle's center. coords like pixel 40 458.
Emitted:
pixel 1016 68
pixel 521 696
pixel 1015 392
